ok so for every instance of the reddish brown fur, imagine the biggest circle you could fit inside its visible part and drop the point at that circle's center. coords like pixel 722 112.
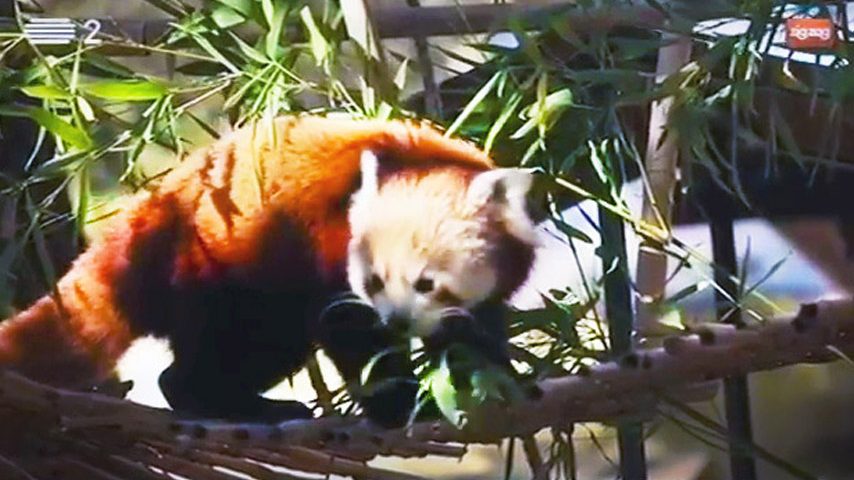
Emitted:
pixel 223 213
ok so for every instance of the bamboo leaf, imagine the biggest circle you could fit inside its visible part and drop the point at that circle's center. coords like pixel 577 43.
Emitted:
pixel 598 164
pixel 277 23
pixel 45 261
pixel 499 123
pixel 571 232
pixel 545 112
pixel 85 109
pixel 103 65
pixel 248 50
pixel 226 17
pixel 47 92
pixel 269 11
pixel 365 374
pixel 81 206
pixel 211 50
pixel 125 90
pixel 475 101
pixel 687 292
pixel 244 7
pixel 316 40
pixel 400 76
pixel 771 271
pixel 443 392
pixel 52 123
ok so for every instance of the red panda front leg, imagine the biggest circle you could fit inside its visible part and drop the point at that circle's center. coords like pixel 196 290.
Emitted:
pixel 200 396
pixel 352 336
pixel 234 343
pixel 482 329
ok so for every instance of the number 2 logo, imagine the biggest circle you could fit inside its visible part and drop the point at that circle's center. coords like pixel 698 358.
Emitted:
pixel 94 26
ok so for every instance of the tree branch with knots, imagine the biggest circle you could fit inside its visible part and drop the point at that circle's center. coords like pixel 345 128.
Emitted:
pixel 48 430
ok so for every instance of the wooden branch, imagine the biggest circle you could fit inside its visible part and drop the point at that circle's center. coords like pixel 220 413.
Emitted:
pixel 108 437
pixel 12 471
pixel 396 21
pixel 605 392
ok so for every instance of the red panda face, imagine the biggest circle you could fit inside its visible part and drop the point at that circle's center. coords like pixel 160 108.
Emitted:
pixel 425 242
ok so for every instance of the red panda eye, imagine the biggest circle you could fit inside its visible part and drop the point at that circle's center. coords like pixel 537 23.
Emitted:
pixel 374 284
pixel 424 285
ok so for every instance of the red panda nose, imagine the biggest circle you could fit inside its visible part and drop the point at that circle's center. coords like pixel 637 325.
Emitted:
pixel 398 323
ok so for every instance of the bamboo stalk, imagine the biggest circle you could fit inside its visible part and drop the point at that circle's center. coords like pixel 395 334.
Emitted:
pixel 618 309
pixel 432 96
pixel 12 471
pixel 736 388
pixel 660 166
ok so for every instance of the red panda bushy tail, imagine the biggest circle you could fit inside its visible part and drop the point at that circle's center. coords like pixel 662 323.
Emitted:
pixel 63 342
pixel 75 336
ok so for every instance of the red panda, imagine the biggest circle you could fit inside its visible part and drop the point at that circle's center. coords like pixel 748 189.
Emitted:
pixel 236 252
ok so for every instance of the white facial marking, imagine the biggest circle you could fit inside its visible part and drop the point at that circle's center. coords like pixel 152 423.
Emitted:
pixel 369 168
pixel 434 226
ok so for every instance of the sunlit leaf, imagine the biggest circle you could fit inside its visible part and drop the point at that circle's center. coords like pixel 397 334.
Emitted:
pixel 248 50
pixel 85 109
pixel 443 392
pixel 368 369
pixel 268 8
pixel 316 40
pixel 599 165
pixel 474 103
pixel 125 90
pixel 47 92
pixel 543 113
pixel 499 123
pixel 226 17
pixel 400 76
pixel 244 7
pixel 276 18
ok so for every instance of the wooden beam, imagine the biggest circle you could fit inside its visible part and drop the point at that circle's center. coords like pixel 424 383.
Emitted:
pixel 404 21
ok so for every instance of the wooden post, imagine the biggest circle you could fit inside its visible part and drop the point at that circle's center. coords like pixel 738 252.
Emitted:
pixel 432 98
pixel 736 389
pixel 362 29
pixel 662 151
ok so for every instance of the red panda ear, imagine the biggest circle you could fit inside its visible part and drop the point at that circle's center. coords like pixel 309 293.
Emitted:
pixel 505 191
pixel 369 168
pixel 366 190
